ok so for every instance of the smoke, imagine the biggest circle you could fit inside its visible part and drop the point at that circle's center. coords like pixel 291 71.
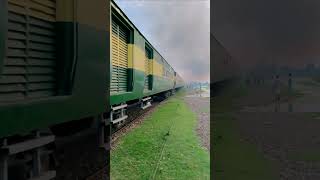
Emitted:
pixel 283 32
pixel 179 30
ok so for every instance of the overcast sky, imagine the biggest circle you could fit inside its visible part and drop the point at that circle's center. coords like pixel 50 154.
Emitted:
pixel 178 29
pixel 280 31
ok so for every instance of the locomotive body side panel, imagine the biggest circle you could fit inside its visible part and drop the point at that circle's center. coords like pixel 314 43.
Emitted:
pixel 82 43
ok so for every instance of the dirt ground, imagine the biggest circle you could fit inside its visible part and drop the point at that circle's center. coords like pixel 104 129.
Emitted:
pixel 201 106
pixel 260 97
pixel 290 139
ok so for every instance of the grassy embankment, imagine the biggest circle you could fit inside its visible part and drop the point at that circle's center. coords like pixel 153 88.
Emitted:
pixel 233 157
pixel 317 78
pixel 165 146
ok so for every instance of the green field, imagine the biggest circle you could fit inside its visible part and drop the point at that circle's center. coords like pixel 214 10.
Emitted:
pixel 165 146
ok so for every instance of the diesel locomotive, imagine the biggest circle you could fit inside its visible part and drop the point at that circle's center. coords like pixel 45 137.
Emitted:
pixel 67 66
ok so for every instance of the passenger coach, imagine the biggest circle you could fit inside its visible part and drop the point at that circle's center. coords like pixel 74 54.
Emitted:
pixel 138 71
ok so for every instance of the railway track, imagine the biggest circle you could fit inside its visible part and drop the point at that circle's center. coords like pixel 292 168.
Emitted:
pixel 135 118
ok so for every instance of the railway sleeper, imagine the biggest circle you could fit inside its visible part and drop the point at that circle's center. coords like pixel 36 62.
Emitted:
pixel 32 150
pixel 145 102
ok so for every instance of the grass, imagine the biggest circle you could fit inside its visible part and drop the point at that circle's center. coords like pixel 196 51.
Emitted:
pixel 310 83
pixel 317 79
pixel 138 154
pixel 311 155
pixel 224 101
pixel 286 94
pixel 235 159
pixel 314 115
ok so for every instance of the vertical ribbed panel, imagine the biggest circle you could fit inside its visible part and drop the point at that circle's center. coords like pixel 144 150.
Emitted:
pixel 147 71
pixel 30 66
pixel 119 50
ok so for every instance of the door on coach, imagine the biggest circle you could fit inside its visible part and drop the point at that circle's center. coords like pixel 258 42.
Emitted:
pixel 148 68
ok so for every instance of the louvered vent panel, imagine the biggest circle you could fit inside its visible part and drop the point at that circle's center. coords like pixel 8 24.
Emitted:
pixel 119 49
pixel 30 65
pixel 147 69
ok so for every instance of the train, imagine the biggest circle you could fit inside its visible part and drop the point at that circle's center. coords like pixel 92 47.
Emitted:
pixel 224 67
pixel 70 65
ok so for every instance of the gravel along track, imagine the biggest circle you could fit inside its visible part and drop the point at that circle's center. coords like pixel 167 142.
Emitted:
pixel 201 106
pixel 290 140
pixel 101 174
pixel 80 157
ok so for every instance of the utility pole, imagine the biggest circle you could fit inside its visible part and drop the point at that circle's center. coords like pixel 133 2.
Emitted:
pixel 290 109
